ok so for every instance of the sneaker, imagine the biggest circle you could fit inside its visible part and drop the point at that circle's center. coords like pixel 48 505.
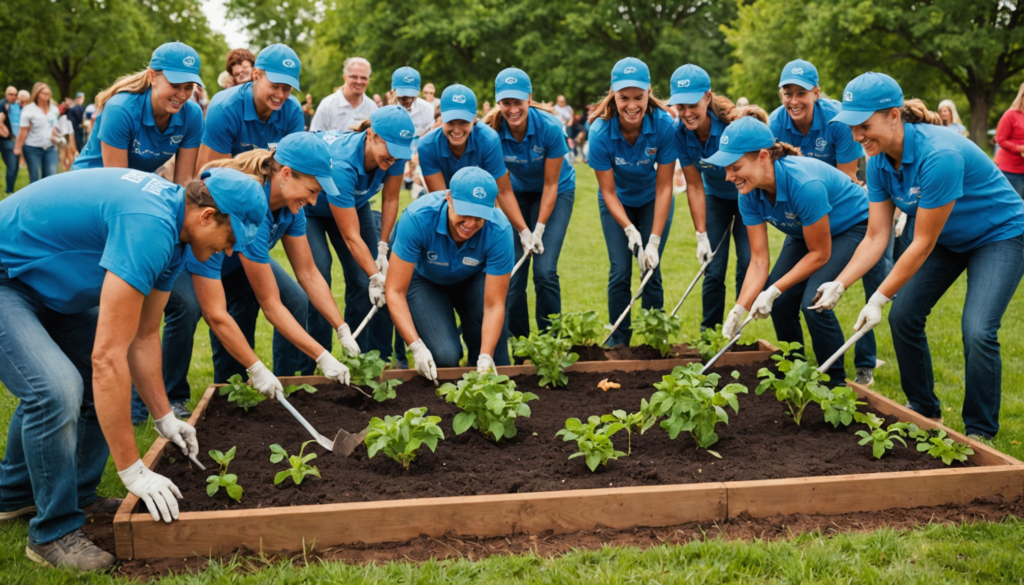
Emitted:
pixel 180 410
pixel 23 511
pixel 103 506
pixel 936 419
pixel 981 439
pixel 865 376
pixel 73 550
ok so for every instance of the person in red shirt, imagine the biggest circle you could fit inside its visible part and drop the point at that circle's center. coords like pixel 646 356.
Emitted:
pixel 1010 138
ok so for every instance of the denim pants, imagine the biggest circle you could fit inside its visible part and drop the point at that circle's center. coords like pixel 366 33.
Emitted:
pixel 1016 181
pixel 720 212
pixel 826 333
pixel 993 273
pixel 10 161
pixel 244 308
pixel 433 307
pixel 56 451
pixel 620 274
pixel 545 266
pixel 40 161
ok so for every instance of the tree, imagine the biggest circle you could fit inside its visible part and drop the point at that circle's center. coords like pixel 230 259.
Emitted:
pixel 290 22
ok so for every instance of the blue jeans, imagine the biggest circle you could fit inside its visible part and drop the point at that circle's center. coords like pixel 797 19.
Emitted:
pixel 1016 181
pixel 826 333
pixel 433 307
pixel 10 161
pixel 993 273
pixel 545 266
pixel 719 213
pixel 244 308
pixel 55 447
pixel 620 275
pixel 40 161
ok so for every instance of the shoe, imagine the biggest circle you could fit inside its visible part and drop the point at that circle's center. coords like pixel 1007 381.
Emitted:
pixel 180 410
pixel 938 420
pixel 103 506
pixel 23 511
pixel 865 376
pixel 981 439
pixel 73 550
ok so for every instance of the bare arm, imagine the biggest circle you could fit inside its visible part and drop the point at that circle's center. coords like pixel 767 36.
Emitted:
pixel 261 277
pixel 207 154
pixel 760 262
pixel 695 195
pixel 310 279
pixel 389 206
pixel 435 182
pixel 348 224
pixel 508 204
pixel 818 238
pixel 395 289
pixel 495 291
pixel 849 168
pixel 20 142
pixel 185 165
pixel 114 157
pixel 548 196
pixel 210 293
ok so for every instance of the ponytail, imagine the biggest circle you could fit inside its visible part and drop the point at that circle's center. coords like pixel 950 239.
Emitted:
pixel 258 164
pixel 494 117
pixel 777 151
pixel 728 112
pixel 606 109
pixel 915 112
pixel 360 126
pixel 134 83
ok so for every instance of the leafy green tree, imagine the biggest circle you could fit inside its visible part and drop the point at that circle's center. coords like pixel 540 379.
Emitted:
pixel 273 21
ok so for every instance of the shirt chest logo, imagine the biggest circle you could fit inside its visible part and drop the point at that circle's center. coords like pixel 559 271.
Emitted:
pixel 538 149
pixel 621 161
pixel 651 151
pixel 432 259
pixel 790 215
pixel 470 261
pixel 820 144
pixel 176 139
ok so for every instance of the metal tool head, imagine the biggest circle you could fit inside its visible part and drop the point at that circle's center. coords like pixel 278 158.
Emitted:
pixel 345 442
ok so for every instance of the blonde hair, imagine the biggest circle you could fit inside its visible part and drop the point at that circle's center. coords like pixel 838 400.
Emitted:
pixel 134 83
pixel 37 88
pixel 915 112
pixel 606 109
pixel 494 117
pixel 952 111
pixel 728 112
pixel 778 150
pixel 360 126
pixel 1018 102
pixel 258 163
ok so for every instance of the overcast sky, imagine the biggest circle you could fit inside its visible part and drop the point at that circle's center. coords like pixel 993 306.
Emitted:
pixel 215 10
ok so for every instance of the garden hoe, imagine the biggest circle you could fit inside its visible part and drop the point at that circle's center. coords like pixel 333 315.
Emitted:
pixel 732 342
pixel 373 311
pixel 344 442
pixel 828 363
pixel 520 263
pixel 632 301
pixel 703 268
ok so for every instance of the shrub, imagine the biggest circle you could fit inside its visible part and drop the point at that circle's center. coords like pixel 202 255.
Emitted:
pixel 399 437
pixel 580 328
pixel 549 354
pixel 490 403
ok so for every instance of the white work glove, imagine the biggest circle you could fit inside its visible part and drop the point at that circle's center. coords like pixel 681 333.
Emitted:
pixel 424 360
pixel 382 257
pixel 264 380
pixel 538 241
pixel 376 295
pixel 155 490
pixel 733 321
pixel 827 296
pixel 650 256
pixel 762 306
pixel 485 363
pixel 636 244
pixel 333 369
pixel 347 341
pixel 871 314
pixel 900 224
pixel 704 251
pixel 526 239
pixel 178 432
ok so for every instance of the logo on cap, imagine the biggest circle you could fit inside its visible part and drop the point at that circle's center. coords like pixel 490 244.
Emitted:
pixel 683 83
pixel 724 140
pixel 511 80
pixel 479 192
pixel 798 71
pixel 408 78
pixel 848 97
pixel 459 99
pixel 189 61
pixel 405 134
pixel 288 63
pixel 628 70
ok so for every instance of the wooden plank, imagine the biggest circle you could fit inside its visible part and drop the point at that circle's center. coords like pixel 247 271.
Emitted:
pixel 872 491
pixel 284 529
pixel 527 370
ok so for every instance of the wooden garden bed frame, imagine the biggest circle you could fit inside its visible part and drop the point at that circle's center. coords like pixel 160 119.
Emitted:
pixel 298 528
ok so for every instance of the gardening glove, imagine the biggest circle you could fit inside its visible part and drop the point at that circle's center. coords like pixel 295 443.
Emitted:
pixel 424 360
pixel 762 306
pixel 704 251
pixel 264 380
pixel 733 320
pixel 827 296
pixel 636 244
pixel 526 239
pixel 871 314
pixel 650 257
pixel 347 341
pixel 382 257
pixel 155 490
pixel 376 292
pixel 485 363
pixel 538 239
pixel 900 224
pixel 178 432
pixel 332 368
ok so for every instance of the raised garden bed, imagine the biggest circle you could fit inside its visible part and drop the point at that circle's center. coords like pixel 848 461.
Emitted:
pixel 472 487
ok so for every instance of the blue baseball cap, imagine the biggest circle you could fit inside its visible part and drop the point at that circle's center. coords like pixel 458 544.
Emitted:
pixel 178 62
pixel 394 125
pixel 281 64
pixel 473 193
pixel 304 152
pixel 742 136
pixel 800 73
pixel 239 196
pixel 689 84
pixel 406 82
pixel 458 102
pixel 867 94
pixel 512 83
pixel 630 72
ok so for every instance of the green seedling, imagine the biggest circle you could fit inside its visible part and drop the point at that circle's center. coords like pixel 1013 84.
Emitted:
pixel 300 467
pixel 938 444
pixel 800 384
pixel 365 370
pixel 840 404
pixel 242 394
pixel 593 439
pixel 629 422
pixel 881 439
pixel 289 390
pixel 399 437
pixel 657 328
pixel 550 355
pixel 228 481
pixel 580 328
pixel 710 342
pixel 490 403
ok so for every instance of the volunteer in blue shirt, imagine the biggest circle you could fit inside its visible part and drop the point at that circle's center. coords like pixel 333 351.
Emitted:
pixel 544 184
pixel 967 218
pixel 405 85
pixel 146 118
pixel 714 205
pixel 257 114
pixel 86 263
pixel 365 162
pixel 453 254
pixel 824 215
pixel 632 132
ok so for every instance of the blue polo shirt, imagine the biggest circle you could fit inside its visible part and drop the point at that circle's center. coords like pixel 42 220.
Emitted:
pixel 832 143
pixel 61 236
pixel 422 237
pixel 691 151
pixel 483 149
pixel 232 125
pixel 126 122
pixel 355 186
pixel 939 165
pixel 525 160
pixel 633 165
pixel 806 190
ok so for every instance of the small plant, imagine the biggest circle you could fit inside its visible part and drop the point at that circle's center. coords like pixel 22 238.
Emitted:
pixel 490 403
pixel 365 369
pixel 689 402
pixel 550 356
pixel 581 328
pixel 401 436
pixel 593 439
pixel 657 328
pixel 881 439
pixel 228 481
pixel 629 422
pixel 800 384
pixel 937 444
pixel 241 394
pixel 289 390
pixel 710 342
pixel 300 467
pixel 840 404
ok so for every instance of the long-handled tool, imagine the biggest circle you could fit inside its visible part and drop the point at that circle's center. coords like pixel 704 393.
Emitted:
pixel 366 319
pixel 520 263
pixel 632 301
pixel 703 268
pixel 344 442
pixel 838 354
pixel 732 342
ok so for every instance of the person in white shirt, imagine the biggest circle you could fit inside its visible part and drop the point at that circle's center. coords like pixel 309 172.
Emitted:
pixel 349 105
pixel 35 139
pixel 429 91
pixel 405 85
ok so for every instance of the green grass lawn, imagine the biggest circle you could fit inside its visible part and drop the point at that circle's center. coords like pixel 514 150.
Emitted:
pixel 982 552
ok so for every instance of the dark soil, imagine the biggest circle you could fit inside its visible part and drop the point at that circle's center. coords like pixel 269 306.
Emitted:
pixel 760 442
pixel 593 353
